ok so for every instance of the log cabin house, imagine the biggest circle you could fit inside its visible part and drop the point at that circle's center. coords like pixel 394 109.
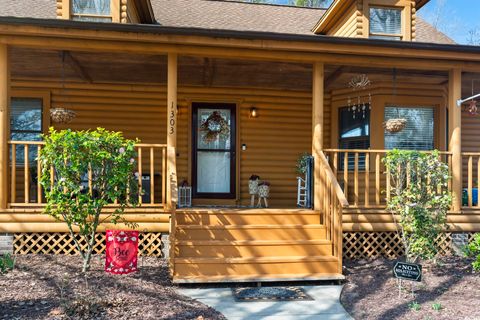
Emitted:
pixel 155 69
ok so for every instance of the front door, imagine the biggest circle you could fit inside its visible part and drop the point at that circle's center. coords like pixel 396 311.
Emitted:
pixel 213 141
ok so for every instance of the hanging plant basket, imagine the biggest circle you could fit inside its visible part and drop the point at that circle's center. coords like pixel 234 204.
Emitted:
pixel 395 125
pixel 215 126
pixel 62 115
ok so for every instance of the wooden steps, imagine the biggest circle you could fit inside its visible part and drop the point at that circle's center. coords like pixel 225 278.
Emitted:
pixel 252 245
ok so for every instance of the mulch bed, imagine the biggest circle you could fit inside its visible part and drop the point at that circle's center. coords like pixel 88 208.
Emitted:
pixel 371 292
pixel 52 287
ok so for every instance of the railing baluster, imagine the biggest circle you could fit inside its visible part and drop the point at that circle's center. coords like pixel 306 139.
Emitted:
pixel 335 163
pixel 345 174
pixel 367 179
pixel 388 184
pixel 26 174
pixel 13 187
pixel 140 175
pixel 90 179
pixel 152 177
pixel 39 175
pixel 164 174
pixel 478 181
pixel 355 179
pixel 470 180
pixel 377 179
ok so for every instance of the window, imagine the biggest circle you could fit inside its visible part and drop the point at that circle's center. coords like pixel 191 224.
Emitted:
pixel 386 23
pixel 91 10
pixel 26 124
pixel 418 133
pixel 354 133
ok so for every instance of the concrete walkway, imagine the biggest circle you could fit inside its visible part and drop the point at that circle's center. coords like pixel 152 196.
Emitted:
pixel 325 306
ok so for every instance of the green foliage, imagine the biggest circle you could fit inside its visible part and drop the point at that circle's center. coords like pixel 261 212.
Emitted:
pixel 109 157
pixel 302 163
pixel 437 306
pixel 474 251
pixel 311 3
pixel 7 263
pixel 421 199
pixel 415 306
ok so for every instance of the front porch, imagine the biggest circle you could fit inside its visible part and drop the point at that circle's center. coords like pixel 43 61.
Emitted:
pixel 300 105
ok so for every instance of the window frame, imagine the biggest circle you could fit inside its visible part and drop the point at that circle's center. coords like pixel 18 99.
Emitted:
pixel 66 11
pixel 388 36
pixel 98 16
pixel 361 163
pixel 44 96
pixel 436 120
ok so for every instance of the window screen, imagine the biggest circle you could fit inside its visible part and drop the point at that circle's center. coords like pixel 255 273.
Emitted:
pixel 91 10
pixel 418 133
pixel 26 124
pixel 354 133
pixel 385 23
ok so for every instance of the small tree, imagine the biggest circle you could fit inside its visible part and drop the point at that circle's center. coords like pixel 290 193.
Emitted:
pixel 91 170
pixel 420 197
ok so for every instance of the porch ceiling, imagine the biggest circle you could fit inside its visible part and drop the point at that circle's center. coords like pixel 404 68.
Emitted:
pixel 28 63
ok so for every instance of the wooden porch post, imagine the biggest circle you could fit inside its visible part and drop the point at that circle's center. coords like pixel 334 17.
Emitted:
pixel 455 135
pixel 171 129
pixel 317 128
pixel 4 124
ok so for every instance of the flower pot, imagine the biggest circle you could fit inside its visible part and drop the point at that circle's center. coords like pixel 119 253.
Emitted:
pixel 252 187
pixel 263 191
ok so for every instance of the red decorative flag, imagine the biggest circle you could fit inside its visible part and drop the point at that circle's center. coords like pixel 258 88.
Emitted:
pixel 121 251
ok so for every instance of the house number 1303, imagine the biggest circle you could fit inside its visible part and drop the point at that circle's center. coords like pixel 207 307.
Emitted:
pixel 172 119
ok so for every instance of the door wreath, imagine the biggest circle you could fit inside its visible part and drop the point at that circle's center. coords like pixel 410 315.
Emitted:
pixel 215 126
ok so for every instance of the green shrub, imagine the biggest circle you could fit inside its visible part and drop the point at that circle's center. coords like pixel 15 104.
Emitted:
pixel 437 306
pixel 420 198
pixel 109 158
pixel 415 306
pixel 7 263
pixel 474 251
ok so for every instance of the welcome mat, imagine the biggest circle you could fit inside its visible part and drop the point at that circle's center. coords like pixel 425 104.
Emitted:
pixel 270 294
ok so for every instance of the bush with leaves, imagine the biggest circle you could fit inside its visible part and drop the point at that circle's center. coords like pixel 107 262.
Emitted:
pixel 302 163
pixel 420 198
pixel 474 251
pixel 91 170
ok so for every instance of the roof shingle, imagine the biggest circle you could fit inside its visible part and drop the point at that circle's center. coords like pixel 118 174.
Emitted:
pixel 220 15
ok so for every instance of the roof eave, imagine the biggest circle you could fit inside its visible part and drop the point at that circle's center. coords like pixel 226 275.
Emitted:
pixel 336 9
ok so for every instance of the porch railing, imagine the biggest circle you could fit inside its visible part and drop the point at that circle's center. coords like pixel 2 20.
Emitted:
pixel 471 170
pixel 25 171
pixel 332 202
pixel 363 177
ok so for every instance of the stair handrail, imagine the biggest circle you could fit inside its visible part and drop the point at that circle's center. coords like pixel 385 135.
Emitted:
pixel 333 179
pixel 331 208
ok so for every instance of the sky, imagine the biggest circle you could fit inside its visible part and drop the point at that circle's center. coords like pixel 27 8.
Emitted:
pixel 454 17
pixel 457 17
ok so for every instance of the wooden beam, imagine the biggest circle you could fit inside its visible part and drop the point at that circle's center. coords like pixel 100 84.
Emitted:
pixel 337 73
pixel 208 71
pixel 455 135
pixel 76 66
pixel 172 78
pixel 317 128
pixel 4 124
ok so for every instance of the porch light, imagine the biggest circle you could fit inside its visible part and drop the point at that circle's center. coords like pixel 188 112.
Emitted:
pixel 253 112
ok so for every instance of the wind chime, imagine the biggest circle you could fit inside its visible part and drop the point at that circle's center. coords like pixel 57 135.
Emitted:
pixel 359 83
pixel 471 108
pixel 397 124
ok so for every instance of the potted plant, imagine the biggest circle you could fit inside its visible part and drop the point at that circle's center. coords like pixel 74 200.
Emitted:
pixel 302 163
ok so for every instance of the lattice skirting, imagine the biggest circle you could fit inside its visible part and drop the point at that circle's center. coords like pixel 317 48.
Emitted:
pixel 360 245
pixel 150 244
